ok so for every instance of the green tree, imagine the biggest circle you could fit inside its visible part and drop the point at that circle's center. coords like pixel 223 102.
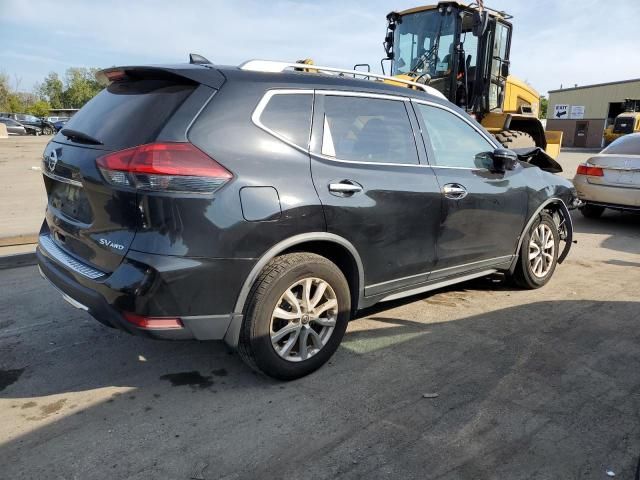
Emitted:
pixel 81 86
pixel 52 90
pixel 5 92
pixel 544 104
pixel 40 108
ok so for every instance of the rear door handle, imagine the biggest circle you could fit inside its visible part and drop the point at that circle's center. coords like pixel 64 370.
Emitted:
pixel 454 191
pixel 344 188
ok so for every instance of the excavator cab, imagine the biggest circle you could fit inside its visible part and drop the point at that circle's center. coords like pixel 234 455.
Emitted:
pixel 463 51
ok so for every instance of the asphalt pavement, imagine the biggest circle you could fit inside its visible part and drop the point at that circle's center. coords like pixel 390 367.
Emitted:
pixel 479 381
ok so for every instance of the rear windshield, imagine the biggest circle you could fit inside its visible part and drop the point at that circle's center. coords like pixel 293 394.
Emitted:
pixel 627 145
pixel 126 114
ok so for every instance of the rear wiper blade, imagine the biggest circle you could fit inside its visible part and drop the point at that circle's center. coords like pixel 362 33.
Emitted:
pixel 80 137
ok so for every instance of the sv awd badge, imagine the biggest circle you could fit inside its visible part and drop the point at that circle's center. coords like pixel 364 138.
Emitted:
pixel 109 243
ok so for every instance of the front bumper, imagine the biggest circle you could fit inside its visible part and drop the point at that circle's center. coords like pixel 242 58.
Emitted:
pixel 200 292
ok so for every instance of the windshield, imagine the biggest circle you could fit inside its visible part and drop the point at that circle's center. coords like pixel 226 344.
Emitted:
pixel 424 43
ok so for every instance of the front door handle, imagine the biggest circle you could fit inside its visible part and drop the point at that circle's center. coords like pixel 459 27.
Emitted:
pixel 344 188
pixel 454 191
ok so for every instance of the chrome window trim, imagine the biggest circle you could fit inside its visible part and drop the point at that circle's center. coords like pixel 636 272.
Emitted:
pixel 48 245
pixel 264 101
pixel 53 176
pixel 504 259
pixel 492 141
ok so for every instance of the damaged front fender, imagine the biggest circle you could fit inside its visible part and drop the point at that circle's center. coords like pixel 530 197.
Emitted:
pixel 538 157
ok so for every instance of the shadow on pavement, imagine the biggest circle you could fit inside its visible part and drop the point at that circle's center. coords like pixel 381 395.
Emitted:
pixel 623 229
pixel 544 390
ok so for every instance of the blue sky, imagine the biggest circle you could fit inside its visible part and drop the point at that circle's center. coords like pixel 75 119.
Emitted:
pixel 555 41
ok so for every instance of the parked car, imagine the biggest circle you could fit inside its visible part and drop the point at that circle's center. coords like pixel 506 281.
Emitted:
pixel 265 208
pixel 14 127
pixel 611 179
pixel 40 125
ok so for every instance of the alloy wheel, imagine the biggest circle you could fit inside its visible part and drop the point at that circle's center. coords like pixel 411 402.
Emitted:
pixel 542 250
pixel 303 319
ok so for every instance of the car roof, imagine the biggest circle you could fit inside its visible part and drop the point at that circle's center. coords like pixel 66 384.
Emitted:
pixel 215 75
pixel 319 80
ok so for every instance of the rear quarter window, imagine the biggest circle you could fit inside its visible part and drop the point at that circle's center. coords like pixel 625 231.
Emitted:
pixel 288 115
pixel 627 145
pixel 126 114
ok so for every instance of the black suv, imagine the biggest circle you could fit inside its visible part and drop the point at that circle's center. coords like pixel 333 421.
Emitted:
pixel 265 208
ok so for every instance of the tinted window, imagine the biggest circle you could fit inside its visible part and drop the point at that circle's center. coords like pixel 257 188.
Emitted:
pixel 289 115
pixel 455 143
pixel 126 114
pixel 368 130
pixel 627 145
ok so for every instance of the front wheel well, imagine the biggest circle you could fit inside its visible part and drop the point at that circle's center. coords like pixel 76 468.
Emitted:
pixel 339 255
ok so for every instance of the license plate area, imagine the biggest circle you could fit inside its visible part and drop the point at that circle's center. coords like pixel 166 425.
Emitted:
pixel 71 200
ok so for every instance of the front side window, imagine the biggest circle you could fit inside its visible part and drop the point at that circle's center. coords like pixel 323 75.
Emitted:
pixel 368 130
pixel 455 143
pixel 289 116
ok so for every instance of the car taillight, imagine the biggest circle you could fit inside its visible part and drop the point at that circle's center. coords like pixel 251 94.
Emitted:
pixel 585 169
pixel 164 167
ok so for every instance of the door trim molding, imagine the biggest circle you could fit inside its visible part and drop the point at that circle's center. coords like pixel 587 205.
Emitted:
pixel 374 289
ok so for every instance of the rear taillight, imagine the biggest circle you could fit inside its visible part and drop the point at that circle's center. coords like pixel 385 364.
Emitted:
pixel 164 167
pixel 585 169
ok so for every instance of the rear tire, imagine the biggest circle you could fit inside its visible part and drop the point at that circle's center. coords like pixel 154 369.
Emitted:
pixel 538 253
pixel 515 139
pixel 277 303
pixel 592 211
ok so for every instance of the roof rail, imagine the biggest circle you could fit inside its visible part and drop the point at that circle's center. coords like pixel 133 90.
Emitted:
pixel 277 67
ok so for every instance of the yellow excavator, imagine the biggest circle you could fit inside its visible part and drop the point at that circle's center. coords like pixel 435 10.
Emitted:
pixel 463 51
pixel 627 122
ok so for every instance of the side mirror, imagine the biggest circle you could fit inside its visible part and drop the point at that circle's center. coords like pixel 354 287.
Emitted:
pixel 503 159
pixel 504 69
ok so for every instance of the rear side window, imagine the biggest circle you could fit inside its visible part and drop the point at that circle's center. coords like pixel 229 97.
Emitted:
pixel 627 145
pixel 455 143
pixel 126 114
pixel 367 130
pixel 289 116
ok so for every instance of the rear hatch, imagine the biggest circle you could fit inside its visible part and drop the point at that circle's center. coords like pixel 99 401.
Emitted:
pixel 86 216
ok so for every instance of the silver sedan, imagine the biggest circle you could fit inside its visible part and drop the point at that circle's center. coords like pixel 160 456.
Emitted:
pixel 611 179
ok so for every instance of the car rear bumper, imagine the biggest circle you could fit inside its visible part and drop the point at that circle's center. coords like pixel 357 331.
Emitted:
pixel 621 197
pixel 152 286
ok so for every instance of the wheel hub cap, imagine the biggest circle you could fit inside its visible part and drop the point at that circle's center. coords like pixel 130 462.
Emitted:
pixel 303 319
